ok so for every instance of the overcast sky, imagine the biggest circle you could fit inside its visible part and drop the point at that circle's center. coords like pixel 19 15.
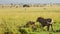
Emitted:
pixel 28 1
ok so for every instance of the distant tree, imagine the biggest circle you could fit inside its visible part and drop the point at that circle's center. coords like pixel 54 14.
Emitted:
pixel 11 5
pixel 51 4
pixel 2 6
pixel 25 5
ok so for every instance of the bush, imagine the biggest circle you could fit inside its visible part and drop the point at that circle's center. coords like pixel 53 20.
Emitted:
pixel 23 31
pixel 8 32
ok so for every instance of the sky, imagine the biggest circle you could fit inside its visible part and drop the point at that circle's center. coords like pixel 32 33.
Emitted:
pixel 28 1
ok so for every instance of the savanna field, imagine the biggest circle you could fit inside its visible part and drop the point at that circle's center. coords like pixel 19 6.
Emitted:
pixel 12 18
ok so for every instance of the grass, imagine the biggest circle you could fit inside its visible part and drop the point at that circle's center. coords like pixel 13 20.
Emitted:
pixel 12 18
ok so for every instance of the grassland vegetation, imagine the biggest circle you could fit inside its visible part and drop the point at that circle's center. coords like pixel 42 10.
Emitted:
pixel 12 18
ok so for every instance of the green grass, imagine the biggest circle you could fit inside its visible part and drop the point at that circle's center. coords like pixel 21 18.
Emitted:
pixel 12 18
